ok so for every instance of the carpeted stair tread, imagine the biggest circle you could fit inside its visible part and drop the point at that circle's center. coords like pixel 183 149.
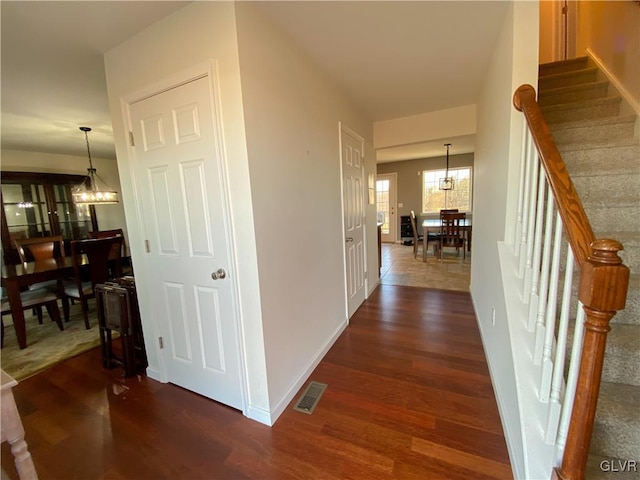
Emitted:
pixel 631 314
pixel 622 355
pixel 616 120
pixel 573 93
pixel 564 79
pixel 603 130
pixel 601 144
pixel 607 189
pixel 621 361
pixel 617 424
pixel 589 161
pixel 571 64
pixel 586 109
pixel 624 216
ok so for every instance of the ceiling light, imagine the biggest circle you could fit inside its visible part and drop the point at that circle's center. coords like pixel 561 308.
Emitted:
pixel 447 183
pixel 90 192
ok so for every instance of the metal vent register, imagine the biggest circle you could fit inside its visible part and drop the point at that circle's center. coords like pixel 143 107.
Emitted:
pixel 310 398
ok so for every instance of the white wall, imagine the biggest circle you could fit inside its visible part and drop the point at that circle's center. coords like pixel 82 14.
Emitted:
pixel 109 216
pixel 449 123
pixel 549 32
pixel 496 176
pixel 199 32
pixel 292 113
pixel 609 32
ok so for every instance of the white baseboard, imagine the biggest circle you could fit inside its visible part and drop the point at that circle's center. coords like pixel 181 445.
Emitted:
pixel 277 410
pixel 617 84
pixel 259 415
pixel 155 375
pixel 375 284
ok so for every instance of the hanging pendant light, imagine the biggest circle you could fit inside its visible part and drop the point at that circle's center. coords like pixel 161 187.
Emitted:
pixel 89 192
pixel 447 183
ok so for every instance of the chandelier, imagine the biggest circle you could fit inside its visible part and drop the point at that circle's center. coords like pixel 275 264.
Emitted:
pixel 89 192
pixel 447 183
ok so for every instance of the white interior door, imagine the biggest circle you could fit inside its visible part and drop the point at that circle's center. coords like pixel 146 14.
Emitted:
pixel 386 206
pixel 352 158
pixel 178 178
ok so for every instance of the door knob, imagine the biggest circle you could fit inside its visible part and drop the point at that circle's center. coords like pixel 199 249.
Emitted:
pixel 349 239
pixel 219 274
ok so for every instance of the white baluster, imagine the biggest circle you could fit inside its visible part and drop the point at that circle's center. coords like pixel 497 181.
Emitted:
pixel 572 382
pixel 544 280
pixel 526 213
pixel 550 322
pixel 557 383
pixel 537 253
pixel 525 140
pixel 525 210
pixel 531 224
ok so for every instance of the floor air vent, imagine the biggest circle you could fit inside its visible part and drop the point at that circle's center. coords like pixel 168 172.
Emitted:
pixel 310 398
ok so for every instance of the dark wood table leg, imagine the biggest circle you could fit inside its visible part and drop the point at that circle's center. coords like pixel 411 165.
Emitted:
pixel 13 292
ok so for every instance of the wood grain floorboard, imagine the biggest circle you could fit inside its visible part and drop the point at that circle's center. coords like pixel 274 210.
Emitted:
pixel 409 397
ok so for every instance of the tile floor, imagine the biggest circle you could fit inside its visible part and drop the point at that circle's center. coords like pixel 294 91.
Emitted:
pixel 400 268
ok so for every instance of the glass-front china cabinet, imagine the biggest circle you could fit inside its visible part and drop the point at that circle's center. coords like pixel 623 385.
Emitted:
pixel 40 205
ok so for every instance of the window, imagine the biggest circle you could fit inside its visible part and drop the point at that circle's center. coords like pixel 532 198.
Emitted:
pixel 434 199
pixel 382 200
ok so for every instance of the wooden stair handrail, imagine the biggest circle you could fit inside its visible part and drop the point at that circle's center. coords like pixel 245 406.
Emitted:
pixel 603 286
pixel 571 211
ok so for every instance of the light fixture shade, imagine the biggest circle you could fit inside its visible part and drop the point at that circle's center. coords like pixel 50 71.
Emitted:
pixel 89 192
pixel 89 196
pixel 447 183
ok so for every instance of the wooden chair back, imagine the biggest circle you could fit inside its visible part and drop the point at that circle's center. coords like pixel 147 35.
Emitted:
pixel 98 252
pixel 417 238
pixel 116 232
pixel 40 248
pixel 414 227
pixel 451 232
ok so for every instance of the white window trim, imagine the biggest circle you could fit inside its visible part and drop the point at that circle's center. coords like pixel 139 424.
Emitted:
pixel 422 188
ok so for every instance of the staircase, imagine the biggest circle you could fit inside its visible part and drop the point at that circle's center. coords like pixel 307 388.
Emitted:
pixel 601 149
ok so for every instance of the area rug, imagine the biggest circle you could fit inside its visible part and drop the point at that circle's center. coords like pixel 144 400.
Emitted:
pixel 46 344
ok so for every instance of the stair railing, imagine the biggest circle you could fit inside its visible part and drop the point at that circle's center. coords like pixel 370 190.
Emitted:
pixel 552 234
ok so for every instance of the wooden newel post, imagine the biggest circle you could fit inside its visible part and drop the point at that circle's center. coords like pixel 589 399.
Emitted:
pixel 602 291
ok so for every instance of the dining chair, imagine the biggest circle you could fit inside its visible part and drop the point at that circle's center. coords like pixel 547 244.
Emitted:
pixel 33 299
pixel 419 239
pixel 41 248
pixel 451 233
pixel 97 252
pixel 116 232
pixel 116 252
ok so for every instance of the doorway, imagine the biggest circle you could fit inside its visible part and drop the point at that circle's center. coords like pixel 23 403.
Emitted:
pixel 179 181
pixel 353 201
pixel 387 206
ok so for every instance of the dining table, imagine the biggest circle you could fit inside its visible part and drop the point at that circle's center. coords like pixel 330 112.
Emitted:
pixel 17 277
pixel 434 225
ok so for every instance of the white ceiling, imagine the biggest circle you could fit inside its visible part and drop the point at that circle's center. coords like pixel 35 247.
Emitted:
pixel 394 58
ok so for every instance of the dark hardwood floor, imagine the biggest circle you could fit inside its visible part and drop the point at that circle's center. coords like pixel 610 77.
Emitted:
pixel 409 397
